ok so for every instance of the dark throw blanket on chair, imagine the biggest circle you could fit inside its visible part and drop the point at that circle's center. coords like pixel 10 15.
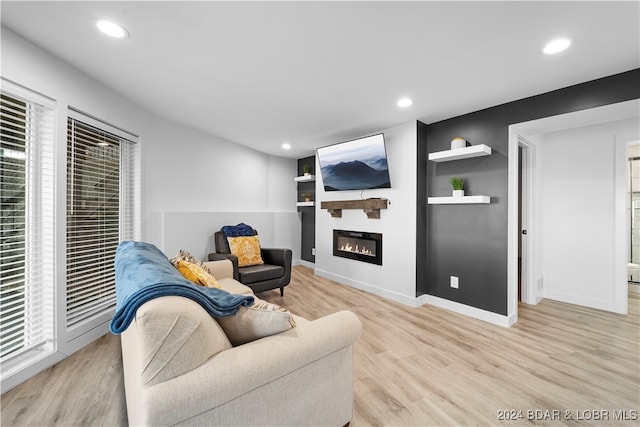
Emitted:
pixel 241 229
pixel 143 273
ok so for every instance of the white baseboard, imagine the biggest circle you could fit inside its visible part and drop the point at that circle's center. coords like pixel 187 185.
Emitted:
pixel 477 313
pixel 467 310
pixel 600 304
pixel 394 296
pixel 307 264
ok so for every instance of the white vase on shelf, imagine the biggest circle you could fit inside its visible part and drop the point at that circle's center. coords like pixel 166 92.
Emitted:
pixel 458 193
pixel 457 143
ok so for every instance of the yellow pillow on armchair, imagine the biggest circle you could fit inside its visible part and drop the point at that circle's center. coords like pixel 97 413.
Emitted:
pixel 247 249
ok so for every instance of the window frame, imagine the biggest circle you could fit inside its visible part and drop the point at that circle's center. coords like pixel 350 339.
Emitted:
pixel 97 325
pixel 41 230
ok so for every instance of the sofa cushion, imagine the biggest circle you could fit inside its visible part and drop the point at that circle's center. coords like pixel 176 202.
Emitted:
pixel 259 273
pixel 247 249
pixel 256 321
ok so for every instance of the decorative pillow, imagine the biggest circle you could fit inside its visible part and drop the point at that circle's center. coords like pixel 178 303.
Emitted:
pixel 194 271
pixel 247 249
pixel 186 256
pixel 196 274
pixel 256 321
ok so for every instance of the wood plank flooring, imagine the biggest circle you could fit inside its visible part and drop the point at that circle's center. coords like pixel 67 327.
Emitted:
pixel 559 365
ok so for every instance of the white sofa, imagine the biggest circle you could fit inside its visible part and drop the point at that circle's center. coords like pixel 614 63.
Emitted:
pixel 181 369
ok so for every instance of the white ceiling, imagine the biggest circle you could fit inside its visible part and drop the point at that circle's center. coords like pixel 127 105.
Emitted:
pixel 317 73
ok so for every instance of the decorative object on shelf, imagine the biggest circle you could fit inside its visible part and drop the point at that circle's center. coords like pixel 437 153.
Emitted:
pixel 458 142
pixel 458 186
pixel 306 169
pixel 307 197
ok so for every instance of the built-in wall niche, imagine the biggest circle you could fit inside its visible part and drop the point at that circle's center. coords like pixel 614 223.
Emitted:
pixel 467 152
pixel 305 179
pixel 306 186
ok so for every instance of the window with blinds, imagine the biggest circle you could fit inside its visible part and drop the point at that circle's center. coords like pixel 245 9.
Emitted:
pixel 100 213
pixel 26 226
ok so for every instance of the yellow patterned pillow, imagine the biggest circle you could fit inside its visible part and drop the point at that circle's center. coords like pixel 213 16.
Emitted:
pixel 196 274
pixel 193 270
pixel 247 249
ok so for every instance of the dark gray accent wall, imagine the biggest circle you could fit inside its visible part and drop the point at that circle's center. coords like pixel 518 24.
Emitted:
pixel 470 241
pixel 308 213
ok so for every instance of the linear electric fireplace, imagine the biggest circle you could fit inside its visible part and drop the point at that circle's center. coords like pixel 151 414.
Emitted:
pixel 358 245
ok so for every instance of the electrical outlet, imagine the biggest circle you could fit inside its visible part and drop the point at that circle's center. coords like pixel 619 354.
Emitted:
pixel 454 282
pixel 313 251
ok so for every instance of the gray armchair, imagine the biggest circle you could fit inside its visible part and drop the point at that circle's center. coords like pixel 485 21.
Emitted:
pixel 274 273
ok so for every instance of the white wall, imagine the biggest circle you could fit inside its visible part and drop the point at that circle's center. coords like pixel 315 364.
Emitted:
pixel 396 278
pixel 188 170
pixel 276 230
pixel 194 183
pixel 578 180
pixel 183 169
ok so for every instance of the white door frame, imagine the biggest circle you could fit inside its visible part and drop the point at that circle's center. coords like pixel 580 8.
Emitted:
pixel 531 292
pixel 531 276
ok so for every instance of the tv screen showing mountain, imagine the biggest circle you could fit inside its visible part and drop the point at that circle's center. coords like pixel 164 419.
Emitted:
pixel 360 164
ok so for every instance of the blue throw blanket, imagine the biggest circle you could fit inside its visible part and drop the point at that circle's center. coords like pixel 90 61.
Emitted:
pixel 241 229
pixel 143 272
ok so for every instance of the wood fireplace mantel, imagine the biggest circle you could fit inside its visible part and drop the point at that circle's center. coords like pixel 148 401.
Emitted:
pixel 370 206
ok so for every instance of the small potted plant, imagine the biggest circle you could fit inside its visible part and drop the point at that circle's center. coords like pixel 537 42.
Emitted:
pixel 458 186
pixel 307 197
pixel 306 169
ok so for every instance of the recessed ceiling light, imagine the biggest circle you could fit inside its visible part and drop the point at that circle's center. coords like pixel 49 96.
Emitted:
pixel 111 29
pixel 557 45
pixel 404 102
pixel 286 146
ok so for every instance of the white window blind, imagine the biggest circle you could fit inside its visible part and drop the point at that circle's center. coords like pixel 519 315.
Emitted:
pixel 26 227
pixel 101 211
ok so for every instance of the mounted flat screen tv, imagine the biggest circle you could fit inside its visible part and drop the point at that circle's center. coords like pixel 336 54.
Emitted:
pixel 360 164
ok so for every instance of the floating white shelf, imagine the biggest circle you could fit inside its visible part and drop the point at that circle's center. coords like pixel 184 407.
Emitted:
pixel 304 178
pixel 305 204
pixel 458 200
pixel 461 153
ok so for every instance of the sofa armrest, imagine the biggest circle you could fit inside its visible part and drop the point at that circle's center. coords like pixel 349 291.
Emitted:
pixel 276 256
pixel 281 257
pixel 234 261
pixel 239 370
pixel 221 268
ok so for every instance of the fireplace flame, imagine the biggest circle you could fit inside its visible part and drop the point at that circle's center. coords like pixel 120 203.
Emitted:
pixel 359 250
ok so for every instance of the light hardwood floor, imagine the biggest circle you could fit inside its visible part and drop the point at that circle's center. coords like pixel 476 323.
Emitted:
pixel 413 366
